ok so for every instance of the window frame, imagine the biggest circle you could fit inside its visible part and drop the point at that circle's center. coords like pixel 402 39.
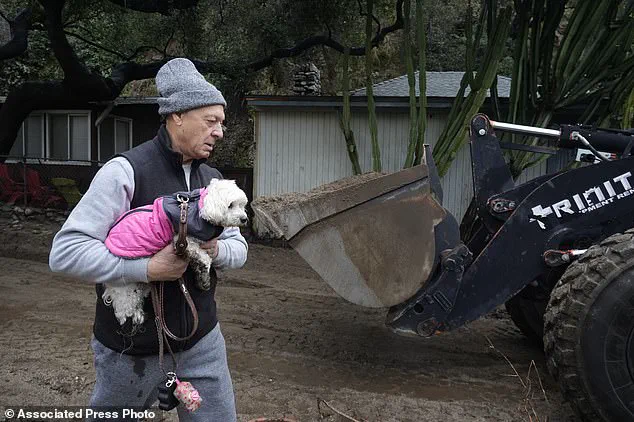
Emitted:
pixel 114 134
pixel 32 159
pixel 47 139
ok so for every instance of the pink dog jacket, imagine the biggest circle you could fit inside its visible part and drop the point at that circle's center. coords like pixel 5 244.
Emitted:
pixel 144 231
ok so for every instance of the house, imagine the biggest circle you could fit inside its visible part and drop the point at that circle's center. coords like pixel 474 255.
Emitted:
pixel 73 144
pixel 300 145
pixel 94 133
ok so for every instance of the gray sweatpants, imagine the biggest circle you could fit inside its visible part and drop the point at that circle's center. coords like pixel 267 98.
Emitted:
pixel 125 381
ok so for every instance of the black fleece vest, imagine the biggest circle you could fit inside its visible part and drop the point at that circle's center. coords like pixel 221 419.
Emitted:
pixel 158 172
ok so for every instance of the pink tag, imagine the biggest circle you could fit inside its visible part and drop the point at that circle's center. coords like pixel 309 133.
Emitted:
pixel 188 395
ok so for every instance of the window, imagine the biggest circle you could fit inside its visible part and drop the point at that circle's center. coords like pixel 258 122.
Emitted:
pixel 54 135
pixel 115 136
pixel 68 136
pixel 29 142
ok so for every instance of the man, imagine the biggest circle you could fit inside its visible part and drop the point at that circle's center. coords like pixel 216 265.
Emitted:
pixel 126 357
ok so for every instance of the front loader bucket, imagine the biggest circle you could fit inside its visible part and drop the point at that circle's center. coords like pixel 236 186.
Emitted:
pixel 370 238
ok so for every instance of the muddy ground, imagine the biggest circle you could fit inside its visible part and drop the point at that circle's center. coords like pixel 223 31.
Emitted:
pixel 291 342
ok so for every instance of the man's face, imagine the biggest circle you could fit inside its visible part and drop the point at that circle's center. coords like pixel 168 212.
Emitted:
pixel 197 131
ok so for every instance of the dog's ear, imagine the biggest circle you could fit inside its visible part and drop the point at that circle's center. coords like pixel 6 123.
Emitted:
pixel 215 204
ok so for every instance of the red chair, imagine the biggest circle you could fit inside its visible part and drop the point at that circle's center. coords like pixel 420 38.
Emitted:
pixel 40 195
pixel 10 190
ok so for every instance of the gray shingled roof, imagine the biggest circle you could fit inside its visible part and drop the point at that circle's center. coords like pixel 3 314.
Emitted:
pixel 439 84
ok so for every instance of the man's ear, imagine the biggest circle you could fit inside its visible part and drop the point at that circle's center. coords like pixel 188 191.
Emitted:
pixel 177 118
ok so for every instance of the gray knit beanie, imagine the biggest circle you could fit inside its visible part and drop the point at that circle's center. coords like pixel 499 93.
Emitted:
pixel 182 88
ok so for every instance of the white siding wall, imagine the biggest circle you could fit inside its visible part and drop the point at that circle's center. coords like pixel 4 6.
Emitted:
pixel 298 151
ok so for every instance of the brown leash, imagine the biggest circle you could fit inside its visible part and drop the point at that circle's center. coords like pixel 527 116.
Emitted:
pixel 181 241
pixel 157 294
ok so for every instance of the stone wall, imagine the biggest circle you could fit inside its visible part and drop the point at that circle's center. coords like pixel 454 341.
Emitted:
pixel 15 217
pixel 307 80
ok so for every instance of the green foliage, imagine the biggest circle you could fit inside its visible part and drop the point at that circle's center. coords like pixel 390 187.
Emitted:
pixel 446 38
pixel 36 63
pixel 464 108
pixel 233 33
pixel 583 57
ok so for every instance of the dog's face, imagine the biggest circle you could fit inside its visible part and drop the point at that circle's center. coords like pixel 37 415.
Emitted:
pixel 225 204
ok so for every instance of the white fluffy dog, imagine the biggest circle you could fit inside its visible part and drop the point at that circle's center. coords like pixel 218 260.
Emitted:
pixel 140 234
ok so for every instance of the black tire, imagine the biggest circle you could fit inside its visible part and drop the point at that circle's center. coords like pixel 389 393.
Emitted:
pixel 589 331
pixel 527 308
pixel 528 316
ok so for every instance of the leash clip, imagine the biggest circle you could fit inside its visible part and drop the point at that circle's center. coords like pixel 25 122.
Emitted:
pixel 181 242
pixel 171 379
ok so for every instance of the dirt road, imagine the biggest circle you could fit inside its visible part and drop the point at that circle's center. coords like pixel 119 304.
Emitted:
pixel 291 341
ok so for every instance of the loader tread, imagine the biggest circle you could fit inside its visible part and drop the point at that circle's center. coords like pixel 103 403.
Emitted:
pixel 569 304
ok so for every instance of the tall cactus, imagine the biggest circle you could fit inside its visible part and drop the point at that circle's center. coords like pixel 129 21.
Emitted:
pixel 417 117
pixel 346 116
pixel 376 150
pixel 592 66
pixel 411 79
pixel 422 81
pixel 453 136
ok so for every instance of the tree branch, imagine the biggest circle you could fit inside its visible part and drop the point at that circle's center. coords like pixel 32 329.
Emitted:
pixel 77 77
pixel 123 56
pixel 164 7
pixel 80 86
pixel 72 66
pixel 19 35
pixel 131 71
pixel 327 41
pixel 141 48
pixel 295 51
pixel 94 44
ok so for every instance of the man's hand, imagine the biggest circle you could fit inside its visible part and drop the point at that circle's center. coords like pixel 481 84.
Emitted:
pixel 211 247
pixel 165 265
